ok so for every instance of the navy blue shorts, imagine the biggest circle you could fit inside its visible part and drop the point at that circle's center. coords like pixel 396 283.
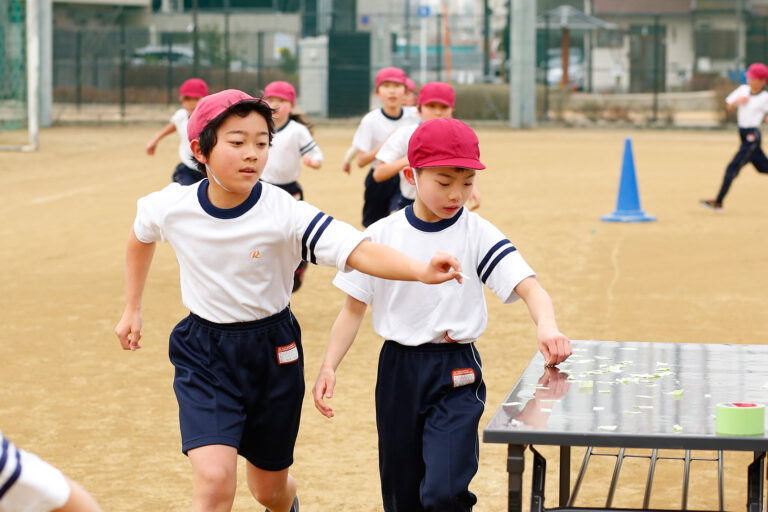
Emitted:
pixel 429 400
pixel 240 385
pixel 186 175
pixel 294 189
pixel 377 197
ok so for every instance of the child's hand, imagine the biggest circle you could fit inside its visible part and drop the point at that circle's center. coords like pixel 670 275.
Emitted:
pixel 128 330
pixel 553 345
pixel 742 100
pixel 441 268
pixel 151 146
pixel 309 162
pixel 346 167
pixel 326 381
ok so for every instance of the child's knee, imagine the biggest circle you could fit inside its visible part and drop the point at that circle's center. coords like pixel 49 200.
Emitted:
pixel 216 482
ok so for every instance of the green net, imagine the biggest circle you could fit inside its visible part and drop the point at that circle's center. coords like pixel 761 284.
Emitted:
pixel 13 77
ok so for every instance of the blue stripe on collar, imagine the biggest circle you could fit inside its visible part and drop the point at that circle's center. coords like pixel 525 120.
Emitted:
pixel 392 118
pixel 227 213
pixel 430 227
pixel 283 127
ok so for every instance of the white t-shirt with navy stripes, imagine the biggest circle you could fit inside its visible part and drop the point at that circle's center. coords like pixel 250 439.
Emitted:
pixel 752 113
pixel 413 313
pixel 291 142
pixel 28 483
pixel 376 126
pixel 236 265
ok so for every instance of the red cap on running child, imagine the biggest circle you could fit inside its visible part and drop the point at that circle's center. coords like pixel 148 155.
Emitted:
pixel 444 142
pixel 410 84
pixel 396 75
pixel 758 71
pixel 211 107
pixel 282 90
pixel 439 92
pixel 194 88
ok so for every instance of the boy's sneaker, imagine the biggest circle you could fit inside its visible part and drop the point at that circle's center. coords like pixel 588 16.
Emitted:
pixel 712 204
pixel 294 507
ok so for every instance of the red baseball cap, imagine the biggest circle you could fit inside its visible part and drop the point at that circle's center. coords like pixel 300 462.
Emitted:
pixel 444 142
pixel 194 88
pixel 396 75
pixel 758 71
pixel 282 90
pixel 439 92
pixel 410 84
pixel 210 108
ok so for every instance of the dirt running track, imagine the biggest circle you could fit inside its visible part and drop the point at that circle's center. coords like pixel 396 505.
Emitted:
pixel 108 418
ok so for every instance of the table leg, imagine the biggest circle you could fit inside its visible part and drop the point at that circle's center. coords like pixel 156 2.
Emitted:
pixel 515 466
pixel 755 475
pixel 565 475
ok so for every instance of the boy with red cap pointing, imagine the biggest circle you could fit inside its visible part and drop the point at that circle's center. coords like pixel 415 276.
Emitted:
pixel 238 359
pixel 429 391
pixel 751 100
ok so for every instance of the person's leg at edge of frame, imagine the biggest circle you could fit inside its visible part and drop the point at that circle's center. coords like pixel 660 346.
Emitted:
pixel 276 490
pixel 215 477
pixel 741 158
pixel 759 160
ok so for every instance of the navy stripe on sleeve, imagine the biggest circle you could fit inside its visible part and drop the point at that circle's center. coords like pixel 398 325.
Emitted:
pixel 496 261
pixel 3 454
pixel 15 476
pixel 489 254
pixel 317 237
pixel 305 146
pixel 307 233
pixel 307 150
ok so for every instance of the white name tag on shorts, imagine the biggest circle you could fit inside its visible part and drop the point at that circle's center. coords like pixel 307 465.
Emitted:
pixel 287 354
pixel 463 376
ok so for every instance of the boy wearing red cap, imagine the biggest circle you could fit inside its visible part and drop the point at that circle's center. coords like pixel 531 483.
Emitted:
pixel 239 376
pixel 436 100
pixel 292 145
pixel 373 130
pixel 751 100
pixel 190 93
pixel 429 390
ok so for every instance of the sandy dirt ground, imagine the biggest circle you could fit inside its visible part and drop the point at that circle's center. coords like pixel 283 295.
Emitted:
pixel 108 418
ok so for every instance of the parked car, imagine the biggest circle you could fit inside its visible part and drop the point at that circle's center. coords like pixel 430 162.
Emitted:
pixel 157 55
pixel 554 68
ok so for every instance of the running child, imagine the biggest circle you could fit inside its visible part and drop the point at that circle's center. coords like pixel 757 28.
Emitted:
pixel 239 367
pixel 190 93
pixel 751 100
pixel 29 484
pixel 429 391
pixel 435 100
pixel 292 145
pixel 373 130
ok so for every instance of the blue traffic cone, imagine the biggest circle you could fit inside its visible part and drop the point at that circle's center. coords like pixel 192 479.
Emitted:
pixel 628 203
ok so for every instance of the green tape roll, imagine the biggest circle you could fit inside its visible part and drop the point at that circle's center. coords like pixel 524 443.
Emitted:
pixel 740 419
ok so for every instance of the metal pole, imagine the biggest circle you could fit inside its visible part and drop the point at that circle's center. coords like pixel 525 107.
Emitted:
pixel 169 70
pixel 486 42
pixel 546 66
pixel 439 47
pixel 656 68
pixel 226 44
pixel 260 61
pixel 407 19
pixel 195 42
pixel 78 69
pixel 122 67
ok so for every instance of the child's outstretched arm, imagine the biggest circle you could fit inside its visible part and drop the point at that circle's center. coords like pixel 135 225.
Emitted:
pixel 138 258
pixel 346 164
pixel 382 261
pixel 343 333
pixel 384 171
pixel 553 345
pixel 152 144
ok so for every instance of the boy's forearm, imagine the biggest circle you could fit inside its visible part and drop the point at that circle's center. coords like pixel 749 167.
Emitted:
pixel 366 157
pixel 538 302
pixel 385 171
pixel 343 333
pixel 382 261
pixel 138 258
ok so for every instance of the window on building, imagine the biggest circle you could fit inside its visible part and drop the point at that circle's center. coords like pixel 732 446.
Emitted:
pixel 716 44
pixel 609 39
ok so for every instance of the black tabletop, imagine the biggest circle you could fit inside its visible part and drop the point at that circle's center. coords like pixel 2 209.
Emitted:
pixel 635 395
